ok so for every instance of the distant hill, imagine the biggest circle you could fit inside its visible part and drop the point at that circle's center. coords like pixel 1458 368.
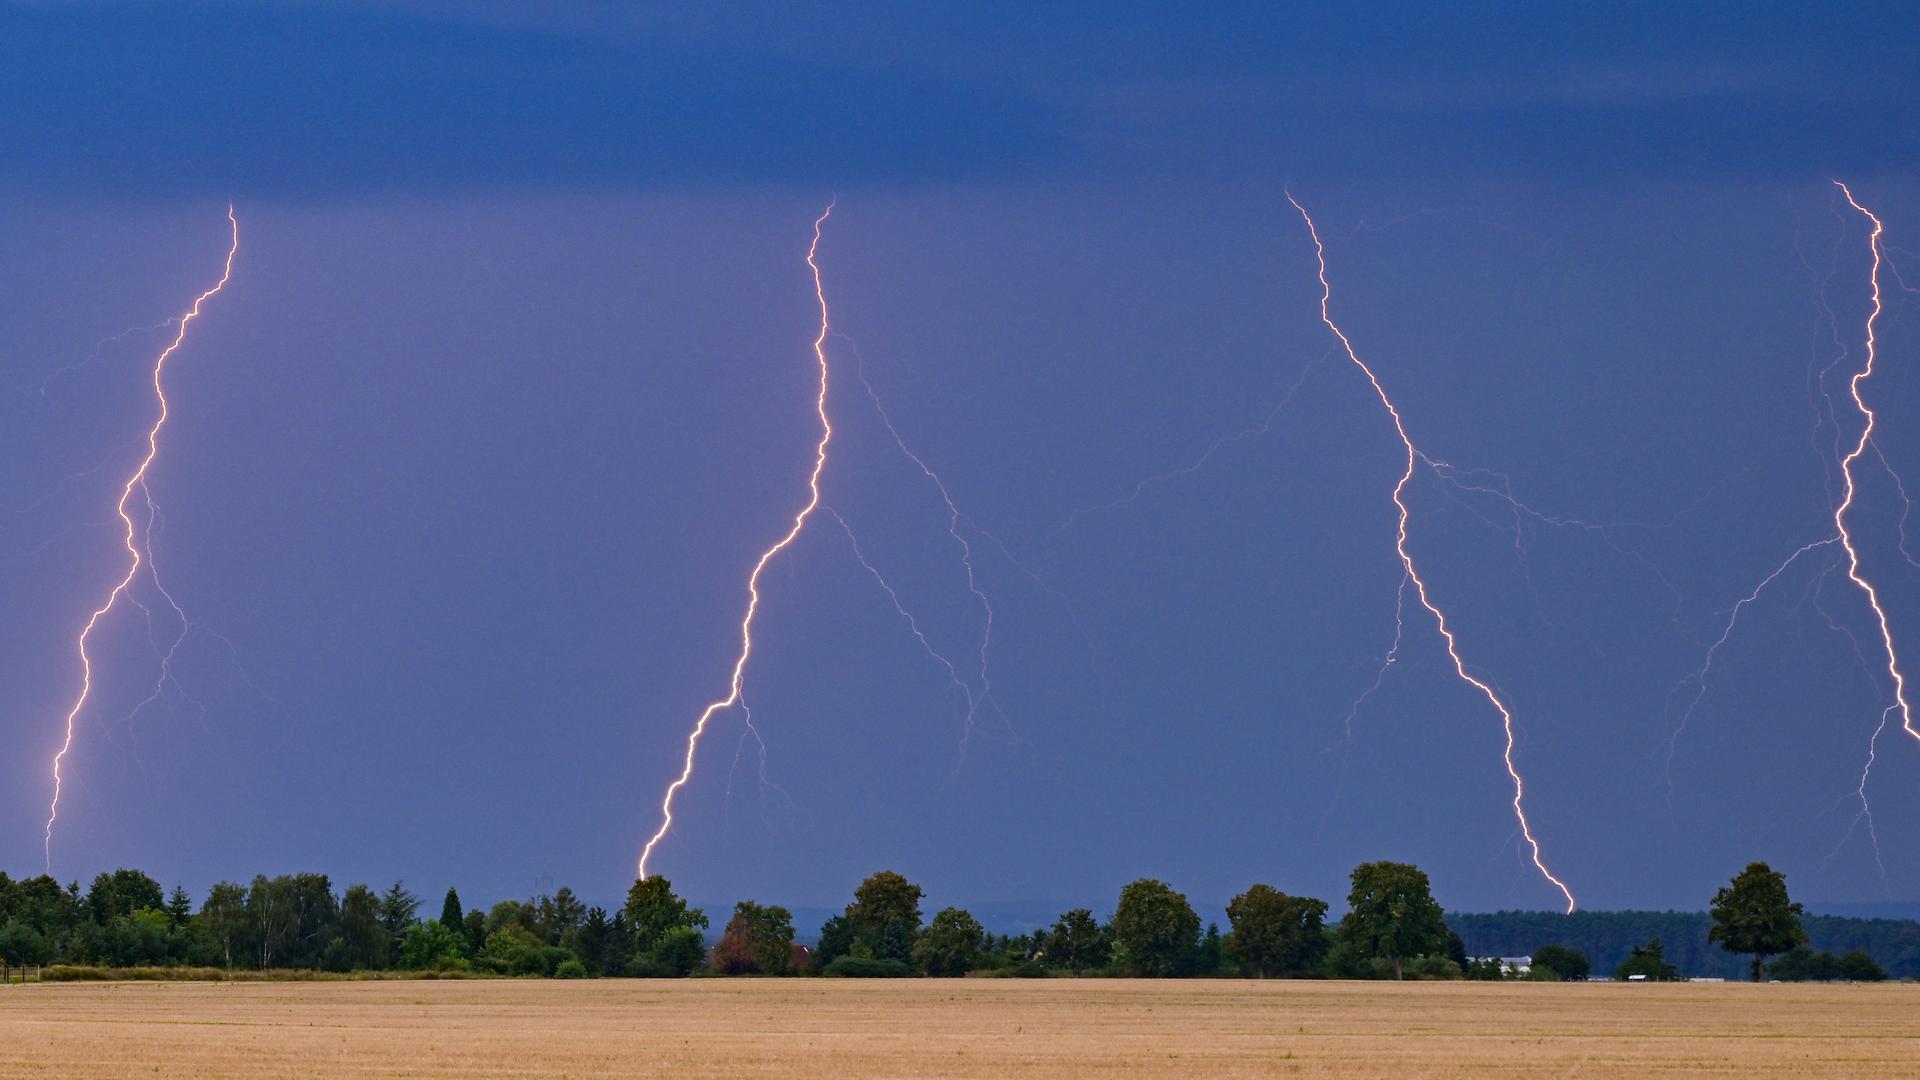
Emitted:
pixel 1606 937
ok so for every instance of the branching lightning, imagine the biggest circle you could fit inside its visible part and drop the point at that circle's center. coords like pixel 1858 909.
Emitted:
pixel 975 698
pixel 913 626
pixel 134 549
pixel 1846 474
pixel 1411 571
pixel 1699 676
pixel 753 578
pixel 1841 533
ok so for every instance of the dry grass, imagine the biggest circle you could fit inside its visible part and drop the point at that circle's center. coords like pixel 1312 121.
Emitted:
pixel 970 1028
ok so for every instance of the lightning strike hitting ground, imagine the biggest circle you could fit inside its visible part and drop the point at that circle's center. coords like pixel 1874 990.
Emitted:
pixel 134 550
pixel 753 579
pixel 1407 563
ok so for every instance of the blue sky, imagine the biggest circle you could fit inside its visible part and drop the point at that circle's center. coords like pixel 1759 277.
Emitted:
pixel 512 385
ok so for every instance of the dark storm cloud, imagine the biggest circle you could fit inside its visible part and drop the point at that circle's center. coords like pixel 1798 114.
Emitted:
pixel 141 100
pixel 144 100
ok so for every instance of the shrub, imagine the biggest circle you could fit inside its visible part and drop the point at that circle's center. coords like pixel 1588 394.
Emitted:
pixel 1433 967
pixel 866 967
pixel 570 969
pixel 1559 962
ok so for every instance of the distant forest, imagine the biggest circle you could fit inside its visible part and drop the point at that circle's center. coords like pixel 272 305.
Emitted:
pixel 1609 937
pixel 1393 928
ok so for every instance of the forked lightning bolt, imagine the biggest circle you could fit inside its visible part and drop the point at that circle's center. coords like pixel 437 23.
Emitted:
pixel 753 579
pixel 1846 475
pixel 134 550
pixel 1406 558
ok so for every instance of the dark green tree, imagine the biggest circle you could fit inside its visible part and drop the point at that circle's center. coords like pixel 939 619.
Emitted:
pixel 453 916
pixel 591 943
pixel 1564 964
pixel 1155 930
pixel 951 945
pixel 398 908
pixel 836 941
pixel 567 914
pixel 315 921
pixel 884 898
pixel 1078 942
pixel 272 918
pixel 1392 915
pixel 179 907
pixel 1275 934
pixel 1857 966
pixel 22 944
pixel 364 939
pixel 1648 961
pixel 475 926
pixel 1753 915
pixel 665 931
pixel 224 918
pixel 1211 957
pixel 123 892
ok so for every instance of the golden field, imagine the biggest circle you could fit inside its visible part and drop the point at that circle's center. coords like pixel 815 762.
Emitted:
pixel 962 1028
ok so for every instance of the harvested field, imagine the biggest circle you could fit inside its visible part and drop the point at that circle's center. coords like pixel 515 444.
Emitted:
pixel 967 1028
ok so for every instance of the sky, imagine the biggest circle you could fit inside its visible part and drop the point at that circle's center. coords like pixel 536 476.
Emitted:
pixel 513 382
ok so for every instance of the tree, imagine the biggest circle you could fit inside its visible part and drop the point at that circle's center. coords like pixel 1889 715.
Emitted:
pixel 884 898
pixel 316 918
pixel 1392 915
pixel 591 943
pixel 756 940
pixel 271 916
pixel 475 928
pixel 1078 942
pixel 1564 964
pixel 1155 929
pixel 1211 956
pixel 22 944
pixel 427 946
pixel 224 917
pixel 365 940
pixel 665 932
pixel 836 941
pixel 123 892
pixel 1648 961
pixel 951 945
pixel 733 953
pixel 1857 966
pixel 567 914
pixel 1754 915
pixel 453 916
pixel 179 908
pixel 1275 934
pixel 397 910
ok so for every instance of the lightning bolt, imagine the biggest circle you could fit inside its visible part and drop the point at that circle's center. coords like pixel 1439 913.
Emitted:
pixel 1412 572
pixel 134 551
pixel 1699 676
pixel 1846 475
pixel 1232 438
pixel 753 579
pixel 913 626
pixel 954 519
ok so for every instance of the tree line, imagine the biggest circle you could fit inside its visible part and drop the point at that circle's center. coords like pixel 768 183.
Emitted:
pixel 1393 928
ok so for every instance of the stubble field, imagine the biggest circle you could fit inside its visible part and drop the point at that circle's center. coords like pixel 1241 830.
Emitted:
pixel 963 1028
